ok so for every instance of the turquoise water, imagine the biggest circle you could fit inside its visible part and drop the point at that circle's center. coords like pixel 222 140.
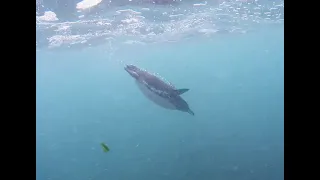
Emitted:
pixel 236 82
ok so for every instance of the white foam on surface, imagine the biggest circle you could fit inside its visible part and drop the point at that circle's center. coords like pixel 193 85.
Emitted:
pixel 85 4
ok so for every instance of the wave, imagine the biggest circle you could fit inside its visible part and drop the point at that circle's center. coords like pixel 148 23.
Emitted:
pixel 155 24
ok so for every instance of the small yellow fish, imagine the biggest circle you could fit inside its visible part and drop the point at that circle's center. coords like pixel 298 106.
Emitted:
pixel 105 147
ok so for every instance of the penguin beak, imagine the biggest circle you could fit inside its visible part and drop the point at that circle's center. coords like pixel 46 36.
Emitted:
pixel 132 70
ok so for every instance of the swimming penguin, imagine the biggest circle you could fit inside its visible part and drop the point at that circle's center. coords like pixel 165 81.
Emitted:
pixel 158 91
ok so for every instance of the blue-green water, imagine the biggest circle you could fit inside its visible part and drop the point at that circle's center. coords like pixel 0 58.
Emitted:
pixel 85 97
pixel 229 53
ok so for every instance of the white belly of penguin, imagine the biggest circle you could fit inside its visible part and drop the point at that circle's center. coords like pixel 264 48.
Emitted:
pixel 155 97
